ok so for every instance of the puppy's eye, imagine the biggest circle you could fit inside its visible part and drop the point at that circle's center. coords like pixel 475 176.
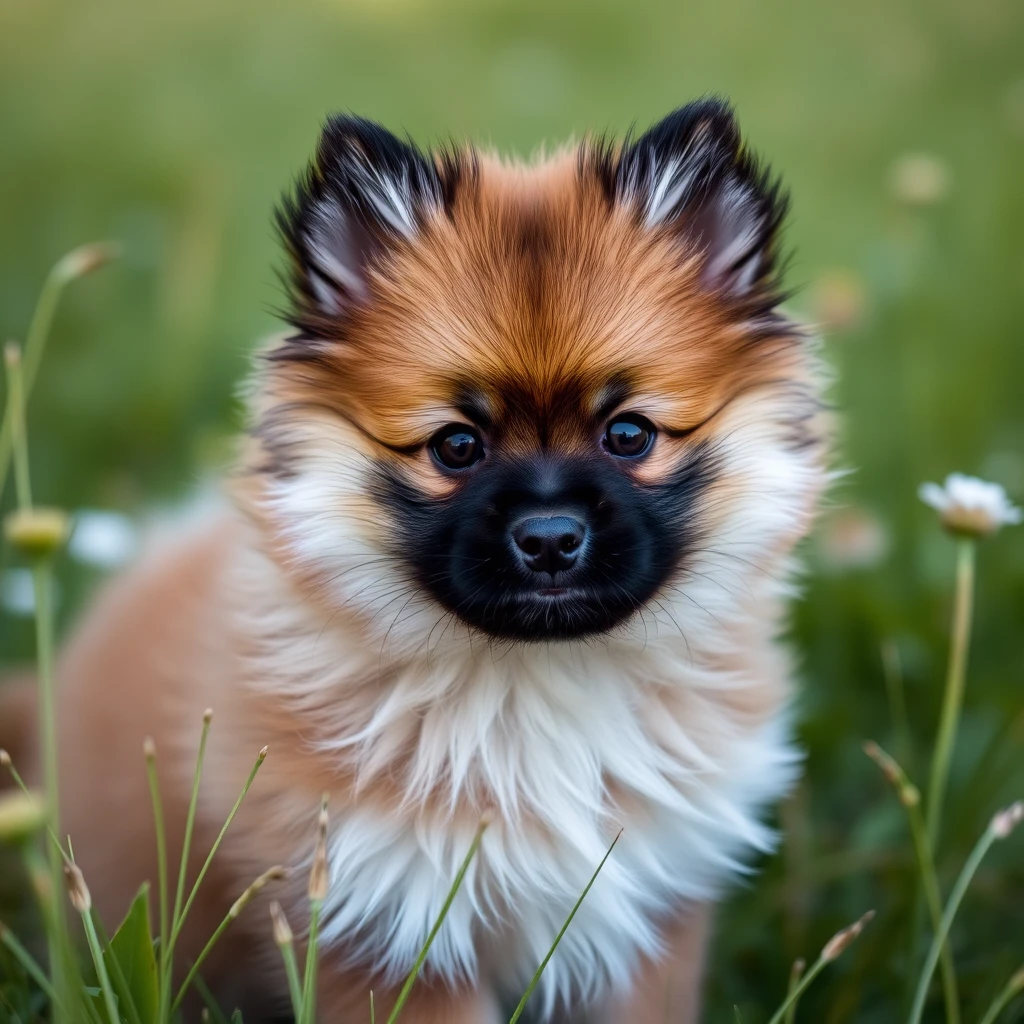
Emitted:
pixel 629 437
pixel 457 447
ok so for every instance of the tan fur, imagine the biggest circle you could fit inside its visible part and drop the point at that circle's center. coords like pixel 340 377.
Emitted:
pixel 531 286
pixel 669 988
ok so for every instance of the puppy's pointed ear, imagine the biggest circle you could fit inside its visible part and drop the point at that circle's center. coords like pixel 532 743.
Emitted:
pixel 692 173
pixel 364 190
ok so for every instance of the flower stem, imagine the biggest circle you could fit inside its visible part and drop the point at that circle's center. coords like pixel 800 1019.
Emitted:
pixel 16 418
pixel 57 934
pixel 955 678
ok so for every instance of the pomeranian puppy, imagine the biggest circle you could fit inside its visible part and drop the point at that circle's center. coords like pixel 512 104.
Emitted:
pixel 510 541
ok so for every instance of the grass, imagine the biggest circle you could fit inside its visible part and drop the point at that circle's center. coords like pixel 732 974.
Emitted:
pixel 120 994
pixel 174 128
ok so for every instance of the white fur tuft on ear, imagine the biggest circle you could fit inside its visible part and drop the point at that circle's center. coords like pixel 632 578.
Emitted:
pixel 335 256
pixel 691 172
pixel 365 191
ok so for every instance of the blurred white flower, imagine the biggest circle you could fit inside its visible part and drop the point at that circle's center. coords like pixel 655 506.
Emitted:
pixel 920 178
pixel 854 538
pixel 971 506
pixel 17 592
pixel 104 539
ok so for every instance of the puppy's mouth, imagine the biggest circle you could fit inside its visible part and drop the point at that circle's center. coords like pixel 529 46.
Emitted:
pixel 556 611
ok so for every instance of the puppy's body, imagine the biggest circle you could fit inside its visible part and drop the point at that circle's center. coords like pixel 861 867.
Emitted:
pixel 386 612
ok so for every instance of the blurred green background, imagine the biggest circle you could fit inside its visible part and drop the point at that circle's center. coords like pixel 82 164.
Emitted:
pixel 899 127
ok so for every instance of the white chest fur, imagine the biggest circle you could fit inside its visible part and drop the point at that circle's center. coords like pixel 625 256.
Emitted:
pixel 561 746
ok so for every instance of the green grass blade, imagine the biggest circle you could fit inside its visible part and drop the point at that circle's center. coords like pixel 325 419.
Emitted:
pixel 149 751
pixel 1003 999
pixel 260 758
pixel 270 875
pixel 999 828
pixel 309 978
pixel 832 950
pixel 284 941
pixel 910 798
pixel 449 899
pixel 126 998
pixel 558 938
pixel 795 974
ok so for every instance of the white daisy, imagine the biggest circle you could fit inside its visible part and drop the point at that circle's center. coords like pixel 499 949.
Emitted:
pixel 970 506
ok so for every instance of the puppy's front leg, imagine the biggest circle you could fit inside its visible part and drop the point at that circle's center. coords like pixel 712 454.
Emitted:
pixel 669 988
pixel 344 996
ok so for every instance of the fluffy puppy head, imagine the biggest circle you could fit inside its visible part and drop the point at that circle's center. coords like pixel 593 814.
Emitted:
pixel 533 397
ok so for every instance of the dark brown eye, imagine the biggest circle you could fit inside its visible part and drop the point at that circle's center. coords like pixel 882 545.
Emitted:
pixel 457 447
pixel 629 437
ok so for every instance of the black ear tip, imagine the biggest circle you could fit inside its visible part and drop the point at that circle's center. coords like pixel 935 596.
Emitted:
pixel 341 132
pixel 712 107
pixel 709 123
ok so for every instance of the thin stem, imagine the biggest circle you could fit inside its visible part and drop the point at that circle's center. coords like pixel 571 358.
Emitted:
pixel 16 414
pixel 830 952
pixel 795 974
pixel 558 938
pixel 291 969
pixel 1011 989
pixel 57 935
pixel 449 899
pixel 260 758
pixel 309 979
pixel 795 992
pixel 189 824
pixel 66 269
pixel 149 749
pixel 284 941
pixel 910 798
pixel 236 908
pixel 963 881
pixel 101 967
pixel 955 678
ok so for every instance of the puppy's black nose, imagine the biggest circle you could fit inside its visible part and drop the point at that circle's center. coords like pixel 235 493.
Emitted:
pixel 549 543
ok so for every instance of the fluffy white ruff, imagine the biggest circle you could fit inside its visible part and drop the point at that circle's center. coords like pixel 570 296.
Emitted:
pixel 649 729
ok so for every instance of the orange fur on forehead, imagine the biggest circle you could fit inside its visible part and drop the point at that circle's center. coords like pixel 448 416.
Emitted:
pixel 534 283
